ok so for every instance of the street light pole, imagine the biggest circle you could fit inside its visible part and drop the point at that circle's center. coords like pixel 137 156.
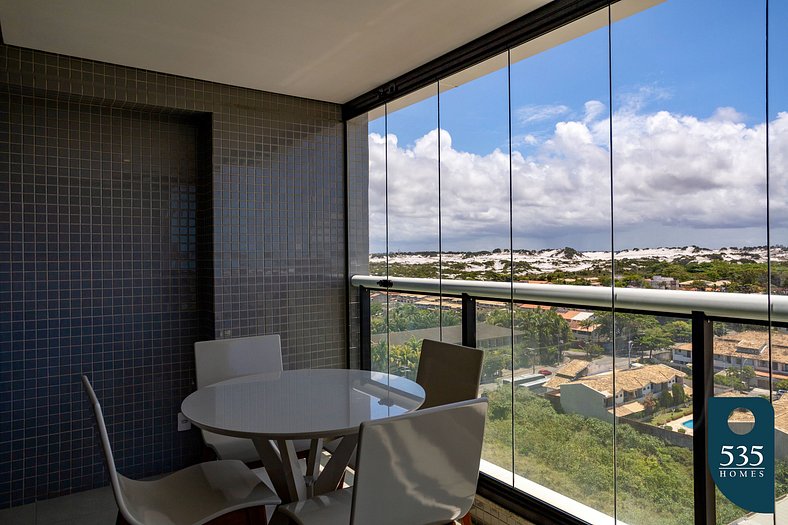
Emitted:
pixel 629 354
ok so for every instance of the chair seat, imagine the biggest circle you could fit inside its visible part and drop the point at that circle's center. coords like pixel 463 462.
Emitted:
pixel 196 494
pixel 228 447
pixel 332 508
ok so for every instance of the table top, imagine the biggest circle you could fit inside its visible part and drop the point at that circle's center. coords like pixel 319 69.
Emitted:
pixel 300 404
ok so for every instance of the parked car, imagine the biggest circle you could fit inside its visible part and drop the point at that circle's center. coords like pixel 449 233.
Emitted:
pixel 545 372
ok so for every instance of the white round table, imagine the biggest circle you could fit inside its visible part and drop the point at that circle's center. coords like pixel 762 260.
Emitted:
pixel 276 408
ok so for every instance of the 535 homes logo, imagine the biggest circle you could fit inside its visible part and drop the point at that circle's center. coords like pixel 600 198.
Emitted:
pixel 741 454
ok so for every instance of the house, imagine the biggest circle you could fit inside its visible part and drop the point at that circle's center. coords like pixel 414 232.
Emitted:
pixel 748 348
pixel 663 283
pixel 594 396
pixel 569 371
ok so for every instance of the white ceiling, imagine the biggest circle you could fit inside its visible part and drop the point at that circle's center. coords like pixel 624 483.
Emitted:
pixel 331 50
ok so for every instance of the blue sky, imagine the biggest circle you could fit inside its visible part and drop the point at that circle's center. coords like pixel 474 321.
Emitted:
pixel 685 57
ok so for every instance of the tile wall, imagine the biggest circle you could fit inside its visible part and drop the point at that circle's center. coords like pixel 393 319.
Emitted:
pixel 358 223
pixel 140 212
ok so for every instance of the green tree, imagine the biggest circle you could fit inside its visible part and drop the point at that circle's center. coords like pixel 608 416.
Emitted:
pixel 495 360
pixel 679 331
pixel 679 395
pixel 593 350
pixel 666 399
pixel 654 338
pixel 543 334
pixel 737 378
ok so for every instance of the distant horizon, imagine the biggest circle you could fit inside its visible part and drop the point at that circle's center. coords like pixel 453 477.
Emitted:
pixel 527 250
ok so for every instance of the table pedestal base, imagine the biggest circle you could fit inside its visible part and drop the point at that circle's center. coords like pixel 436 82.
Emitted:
pixel 281 462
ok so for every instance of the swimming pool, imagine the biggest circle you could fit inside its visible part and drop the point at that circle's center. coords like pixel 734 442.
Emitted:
pixel 687 423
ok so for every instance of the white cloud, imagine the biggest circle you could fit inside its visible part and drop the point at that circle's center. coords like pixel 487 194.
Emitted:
pixel 593 109
pixel 727 114
pixel 539 112
pixel 672 172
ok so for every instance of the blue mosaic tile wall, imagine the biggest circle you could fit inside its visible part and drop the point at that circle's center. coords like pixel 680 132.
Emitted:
pixel 140 212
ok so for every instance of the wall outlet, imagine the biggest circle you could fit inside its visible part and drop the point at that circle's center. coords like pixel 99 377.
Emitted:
pixel 183 423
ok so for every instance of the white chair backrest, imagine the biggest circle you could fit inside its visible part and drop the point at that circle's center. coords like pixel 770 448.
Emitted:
pixel 448 373
pixel 228 358
pixel 419 468
pixel 117 488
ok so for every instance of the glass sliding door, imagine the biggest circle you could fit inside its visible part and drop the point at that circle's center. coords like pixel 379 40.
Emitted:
pixel 475 222
pixel 378 238
pixel 561 234
pixel 413 217
pixel 778 222
pixel 689 210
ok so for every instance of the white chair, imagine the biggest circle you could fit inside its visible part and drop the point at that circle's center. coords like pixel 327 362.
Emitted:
pixel 192 496
pixel 229 358
pixel 420 468
pixel 447 372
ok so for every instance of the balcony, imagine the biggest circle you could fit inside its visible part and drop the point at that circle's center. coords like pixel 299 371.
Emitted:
pixel 593 192
pixel 533 425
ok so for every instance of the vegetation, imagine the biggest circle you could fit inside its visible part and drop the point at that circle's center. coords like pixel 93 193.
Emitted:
pixel 544 335
pixel 570 453
pixel 663 417
pixel 746 275
pixel 573 455
pixel 403 317
pixel 737 378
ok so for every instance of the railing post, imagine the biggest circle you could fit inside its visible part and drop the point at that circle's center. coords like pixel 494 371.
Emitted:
pixel 365 323
pixel 468 320
pixel 702 390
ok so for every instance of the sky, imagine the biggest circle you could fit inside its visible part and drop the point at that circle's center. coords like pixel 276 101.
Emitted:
pixel 689 142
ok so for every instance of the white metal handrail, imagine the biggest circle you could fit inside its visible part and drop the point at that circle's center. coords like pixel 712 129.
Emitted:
pixel 752 307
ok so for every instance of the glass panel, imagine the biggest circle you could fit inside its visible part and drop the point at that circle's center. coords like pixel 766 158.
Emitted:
pixel 475 221
pixel 379 348
pixel 494 336
pixel 563 428
pixel 413 185
pixel 654 418
pixel 412 318
pixel 741 369
pixel 378 198
pixel 378 241
pixel 689 189
pixel 561 234
pixel 778 178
